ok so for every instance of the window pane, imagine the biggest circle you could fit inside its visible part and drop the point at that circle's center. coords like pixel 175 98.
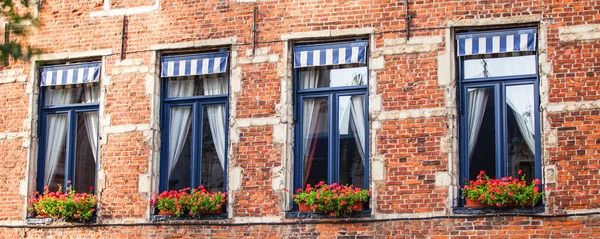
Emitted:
pixel 71 94
pixel 352 140
pixel 180 150
pixel 481 131
pixel 481 67
pixel 55 156
pixel 520 126
pixel 213 147
pixel 185 86
pixel 86 151
pixel 332 76
pixel 315 140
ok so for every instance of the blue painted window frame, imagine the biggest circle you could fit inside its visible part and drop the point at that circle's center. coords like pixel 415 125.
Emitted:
pixel 499 84
pixel 197 103
pixel 333 94
pixel 71 110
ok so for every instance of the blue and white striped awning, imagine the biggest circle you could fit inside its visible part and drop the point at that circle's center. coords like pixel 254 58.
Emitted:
pixel 196 64
pixel 70 74
pixel 496 41
pixel 330 54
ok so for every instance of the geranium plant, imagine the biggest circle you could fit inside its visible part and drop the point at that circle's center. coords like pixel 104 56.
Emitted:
pixel 68 206
pixel 191 201
pixel 503 191
pixel 204 202
pixel 172 202
pixel 333 199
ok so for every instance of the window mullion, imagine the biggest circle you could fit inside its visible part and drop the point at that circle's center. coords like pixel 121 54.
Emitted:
pixel 195 174
pixel 500 134
pixel 71 136
pixel 333 139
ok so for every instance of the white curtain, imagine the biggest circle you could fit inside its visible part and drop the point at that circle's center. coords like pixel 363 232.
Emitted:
pixel 57 131
pixel 216 114
pixel 520 100
pixel 181 119
pixel 310 80
pixel 92 94
pixel 476 102
pixel 357 110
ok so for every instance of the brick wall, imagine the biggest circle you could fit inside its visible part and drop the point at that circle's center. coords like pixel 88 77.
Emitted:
pixel 412 113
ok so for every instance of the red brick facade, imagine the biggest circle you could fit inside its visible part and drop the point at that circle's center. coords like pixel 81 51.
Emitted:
pixel 412 113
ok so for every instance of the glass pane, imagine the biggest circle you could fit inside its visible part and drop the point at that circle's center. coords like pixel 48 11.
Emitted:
pixel 481 131
pixel 56 149
pixel 352 140
pixel 179 154
pixel 315 138
pixel 71 94
pixel 185 86
pixel 520 126
pixel 85 151
pixel 481 67
pixel 333 76
pixel 213 147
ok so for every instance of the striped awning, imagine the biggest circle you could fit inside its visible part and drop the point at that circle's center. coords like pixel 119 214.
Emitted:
pixel 70 74
pixel 496 41
pixel 330 54
pixel 196 64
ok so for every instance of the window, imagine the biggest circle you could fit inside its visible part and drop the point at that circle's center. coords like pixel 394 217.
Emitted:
pixel 69 126
pixel 331 114
pixel 194 121
pixel 499 120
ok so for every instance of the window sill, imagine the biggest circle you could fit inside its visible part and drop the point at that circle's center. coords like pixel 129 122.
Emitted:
pixel 315 215
pixel 162 218
pixel 45 221
pixel 496 210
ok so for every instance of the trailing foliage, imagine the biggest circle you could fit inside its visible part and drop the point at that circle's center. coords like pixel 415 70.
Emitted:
pixel 69 206
pixel 500 192
pixel 333 199
pixel 18 18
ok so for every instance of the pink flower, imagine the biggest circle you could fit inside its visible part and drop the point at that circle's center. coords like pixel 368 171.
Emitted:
pixel 520 172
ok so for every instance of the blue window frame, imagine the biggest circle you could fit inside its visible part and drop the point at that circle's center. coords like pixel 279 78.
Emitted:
pixel 68 126
pixel 499 100
pixel 194 121
pixel 331 114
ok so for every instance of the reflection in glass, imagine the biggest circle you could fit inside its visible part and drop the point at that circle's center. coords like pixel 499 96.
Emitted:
pixel 213 147
pixel 481 67
pixel 520 129
pixel 180 148
pixel 185 86
pixel 85 151
pixel 332 76
pixel 481 131
pixel 315 140
pixel 55 156
pixel 352 140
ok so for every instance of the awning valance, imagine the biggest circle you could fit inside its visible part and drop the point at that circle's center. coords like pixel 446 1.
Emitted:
pixel 496 41
pixel 70 74
pixel 330 54
pixel 196 64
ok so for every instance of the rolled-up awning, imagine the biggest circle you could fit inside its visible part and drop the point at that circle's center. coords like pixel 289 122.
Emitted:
pixel 330 54
pixel 196 64
pixel 70 74
pixel 500 41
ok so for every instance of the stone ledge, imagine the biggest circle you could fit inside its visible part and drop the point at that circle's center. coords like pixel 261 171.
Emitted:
pixel 47 221
pixel 167 218
pixel 495 210
pixel 311 215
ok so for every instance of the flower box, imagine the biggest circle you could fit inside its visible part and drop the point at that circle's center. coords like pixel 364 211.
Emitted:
pixel 504 192
pixel 67 206
pixel 333 199
pixel 193 202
